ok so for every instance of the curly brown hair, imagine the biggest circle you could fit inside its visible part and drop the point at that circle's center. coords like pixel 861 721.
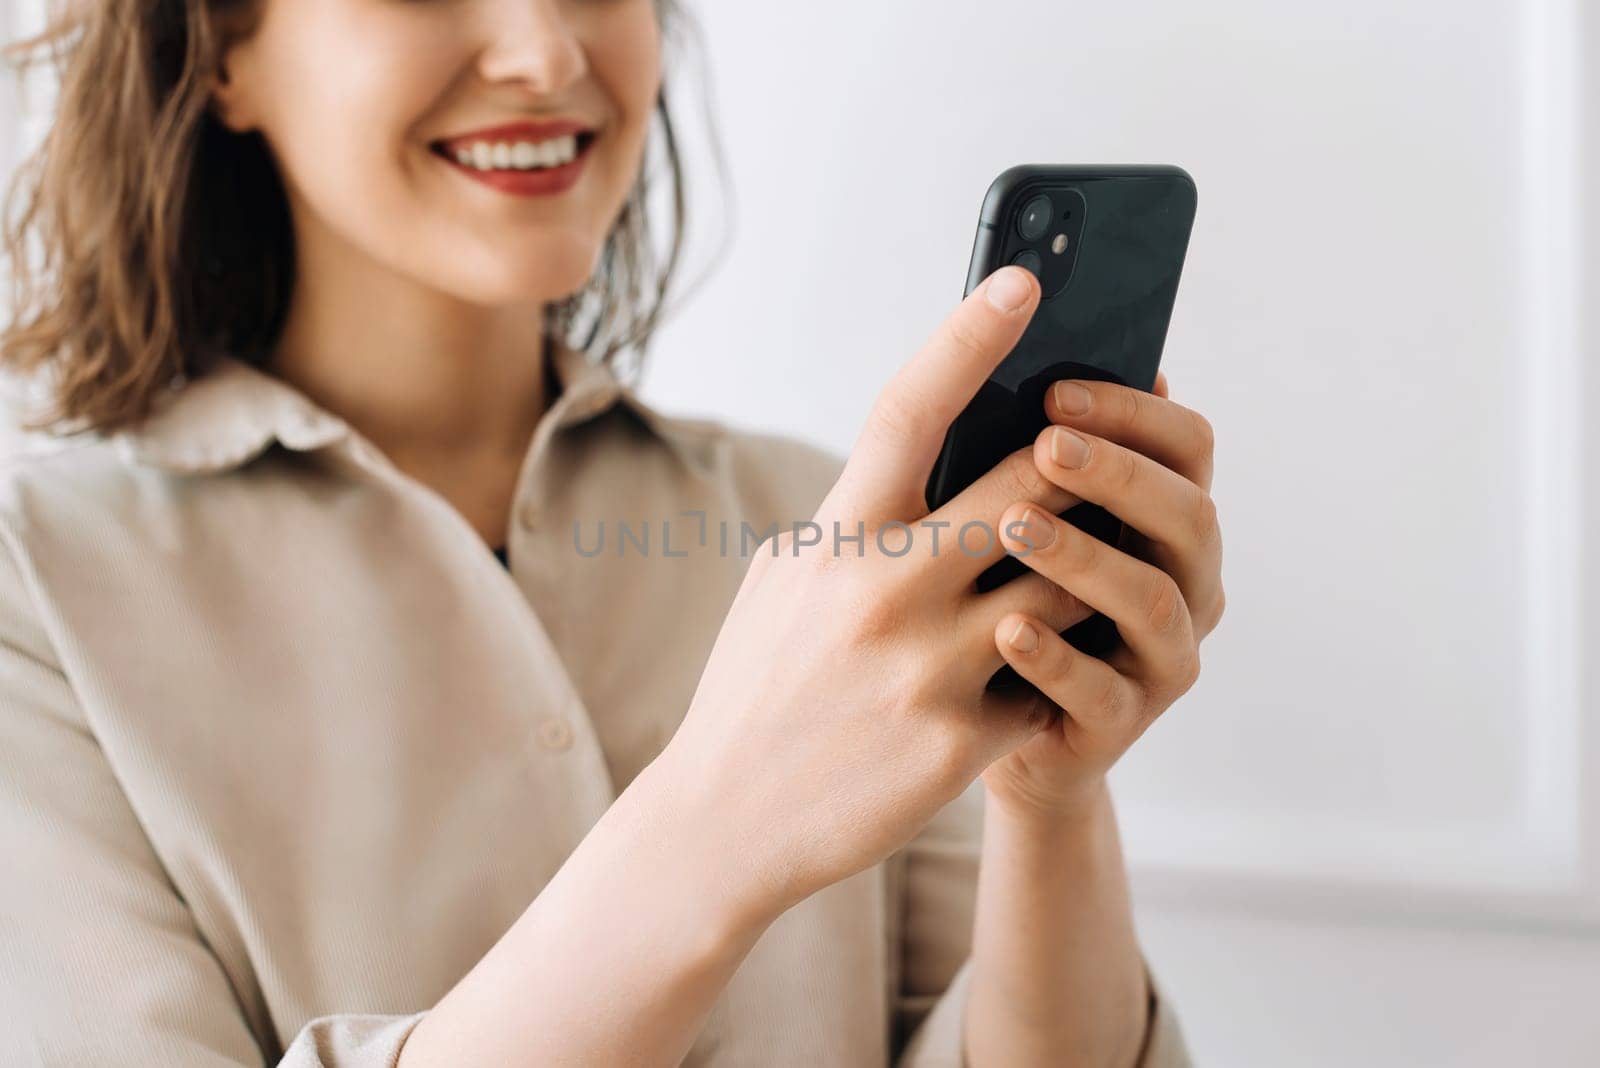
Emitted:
pixel 159 238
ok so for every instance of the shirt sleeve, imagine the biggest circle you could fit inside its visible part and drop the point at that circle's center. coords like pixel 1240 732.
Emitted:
pixel 932 886
pixel 932 892
pixel 103 962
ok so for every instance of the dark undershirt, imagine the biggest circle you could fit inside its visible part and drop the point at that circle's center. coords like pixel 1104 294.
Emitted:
pixel 552 384
pixel 553 389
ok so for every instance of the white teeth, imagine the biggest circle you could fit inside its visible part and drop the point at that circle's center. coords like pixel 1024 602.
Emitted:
pixel 520 155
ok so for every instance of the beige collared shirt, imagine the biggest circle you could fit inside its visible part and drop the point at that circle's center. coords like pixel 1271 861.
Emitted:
pixel 284 749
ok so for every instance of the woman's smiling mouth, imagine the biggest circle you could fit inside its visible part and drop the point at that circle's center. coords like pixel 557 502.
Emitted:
pixel 521 159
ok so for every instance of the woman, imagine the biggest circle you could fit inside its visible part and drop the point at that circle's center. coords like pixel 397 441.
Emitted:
pixel 291 771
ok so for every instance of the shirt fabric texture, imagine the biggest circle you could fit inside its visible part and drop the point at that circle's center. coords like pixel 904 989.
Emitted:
pixel 284 749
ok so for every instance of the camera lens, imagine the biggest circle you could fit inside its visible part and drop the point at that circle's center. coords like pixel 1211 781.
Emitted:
pixel 1035 218
pixel 1027 258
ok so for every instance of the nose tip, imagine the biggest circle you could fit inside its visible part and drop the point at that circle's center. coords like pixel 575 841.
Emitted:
pixel 538 50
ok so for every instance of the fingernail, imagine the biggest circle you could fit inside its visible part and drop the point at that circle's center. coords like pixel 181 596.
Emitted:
pixel 1067 448
pixel 1039 531
pixel 1072 398
pixel 1007 289
pixel 1024 639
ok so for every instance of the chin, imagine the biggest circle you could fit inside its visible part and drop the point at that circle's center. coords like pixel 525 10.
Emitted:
pixel 539 278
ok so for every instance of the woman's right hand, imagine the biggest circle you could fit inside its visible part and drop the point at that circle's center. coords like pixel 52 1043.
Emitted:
pixel 843 703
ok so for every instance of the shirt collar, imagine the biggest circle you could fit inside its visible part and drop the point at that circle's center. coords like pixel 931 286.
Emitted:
pixel 234 411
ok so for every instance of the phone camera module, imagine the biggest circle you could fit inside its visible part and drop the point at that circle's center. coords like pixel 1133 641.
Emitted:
pixel 1029 259
pixel 1035 218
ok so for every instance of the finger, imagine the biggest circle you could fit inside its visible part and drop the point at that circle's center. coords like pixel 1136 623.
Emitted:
pixel 965 528
pixel 1176 516
pixel 1178 438
pixel 1009 717
pixel 1030 594
pixel 887 472
pixel 1104 709
pixel 1144 602
pixel 1163 388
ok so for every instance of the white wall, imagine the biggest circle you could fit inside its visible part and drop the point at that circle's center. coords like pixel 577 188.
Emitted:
pixel 9 105
pixel 12 21
pixel 17 123
pixel 1367 836
pixel 22 121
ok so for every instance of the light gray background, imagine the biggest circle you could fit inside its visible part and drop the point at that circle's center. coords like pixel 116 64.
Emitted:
pixel 1367 836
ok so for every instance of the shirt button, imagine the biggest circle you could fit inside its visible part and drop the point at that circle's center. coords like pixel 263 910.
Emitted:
pixel 555 733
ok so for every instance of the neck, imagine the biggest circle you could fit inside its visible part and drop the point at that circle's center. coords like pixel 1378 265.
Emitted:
pixel 418 372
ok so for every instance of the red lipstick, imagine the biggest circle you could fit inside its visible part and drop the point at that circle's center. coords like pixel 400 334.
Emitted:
pixel 542 181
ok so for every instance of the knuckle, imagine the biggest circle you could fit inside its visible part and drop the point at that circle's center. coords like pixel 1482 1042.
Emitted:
pixel 877 615
pixel 954 752
pixel 1205 435
pixel 1065 668
pixel 1025 480
pixel 813 558
pixel 1122 476
pixel 1130 406
pixel 1110 703
pixel 1191 673
pixel 1213 617
pixel 1039 712
pixel 1186 673
pixel 1164 604
pixel 1060 605
pixel 898 418
pixel 967 342
pixel 1079 553
pixel 1206 522
pixel 1048 601
pixel 822 560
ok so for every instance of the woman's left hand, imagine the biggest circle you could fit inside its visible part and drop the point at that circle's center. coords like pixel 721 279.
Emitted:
pixel 1149 462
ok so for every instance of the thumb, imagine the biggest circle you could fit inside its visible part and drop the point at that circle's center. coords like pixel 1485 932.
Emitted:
pixel 890 462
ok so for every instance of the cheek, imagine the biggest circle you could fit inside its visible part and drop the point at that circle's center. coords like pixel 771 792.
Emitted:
pixel 628 62
pixel 634 50
pixel 341 114
pixel 342 117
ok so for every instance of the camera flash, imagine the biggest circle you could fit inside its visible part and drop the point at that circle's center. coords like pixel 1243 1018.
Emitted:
pixel 1059 245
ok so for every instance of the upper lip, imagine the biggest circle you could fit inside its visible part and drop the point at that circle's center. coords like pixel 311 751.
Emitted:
pixel 518 131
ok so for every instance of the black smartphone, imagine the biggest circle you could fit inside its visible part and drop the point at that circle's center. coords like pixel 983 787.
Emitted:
pixel 1107 245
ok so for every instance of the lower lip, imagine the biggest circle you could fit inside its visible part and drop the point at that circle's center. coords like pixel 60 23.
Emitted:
pixel 544 183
